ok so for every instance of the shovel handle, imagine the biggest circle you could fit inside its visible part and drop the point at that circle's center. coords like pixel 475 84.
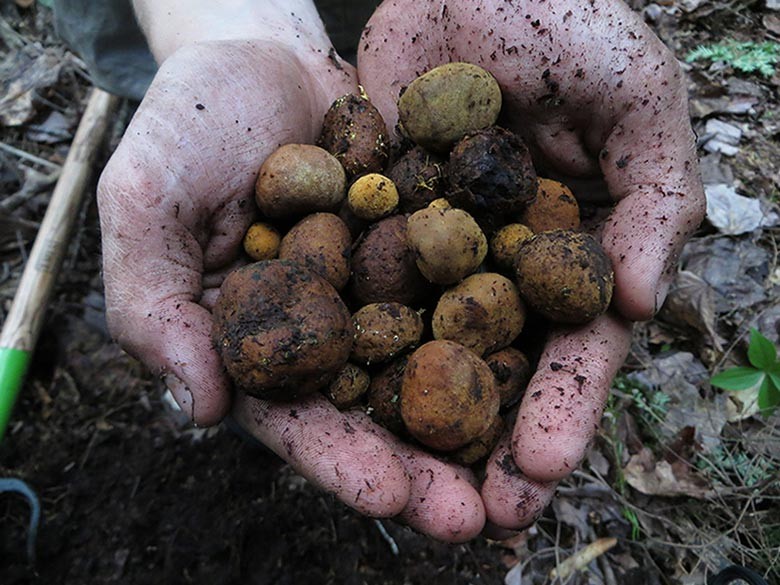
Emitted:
pixel 23 323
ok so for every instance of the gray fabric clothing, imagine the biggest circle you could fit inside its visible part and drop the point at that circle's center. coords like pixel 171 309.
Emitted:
pixel 105 34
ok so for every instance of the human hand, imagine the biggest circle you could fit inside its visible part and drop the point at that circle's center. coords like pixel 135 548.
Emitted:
pixel 175 201
pixel 176 197
pixel 602 105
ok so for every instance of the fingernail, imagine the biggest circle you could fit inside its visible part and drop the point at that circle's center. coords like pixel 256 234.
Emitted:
pixel 181 396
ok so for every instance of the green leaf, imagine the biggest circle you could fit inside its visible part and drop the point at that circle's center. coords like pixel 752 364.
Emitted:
pixel 774 377
pixel 768 398
pixel 747 57
pixel 740 378
pixel 761 352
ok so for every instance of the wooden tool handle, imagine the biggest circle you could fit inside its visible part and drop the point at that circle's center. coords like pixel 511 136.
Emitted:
pixel 23 324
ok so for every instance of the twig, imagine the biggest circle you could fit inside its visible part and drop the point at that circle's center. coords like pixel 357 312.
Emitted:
pixel 606 569
pixel 27 156
pixel 88 450
pixel 12 38
pixel 557 549
pixel 70 263
pixel 582 558
pixel 26 193
pixel 21 246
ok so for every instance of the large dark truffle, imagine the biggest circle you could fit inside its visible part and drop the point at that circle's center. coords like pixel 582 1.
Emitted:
pixel 491 176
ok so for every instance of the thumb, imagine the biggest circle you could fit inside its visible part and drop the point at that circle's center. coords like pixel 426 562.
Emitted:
pixel 153 269
pixel 650 166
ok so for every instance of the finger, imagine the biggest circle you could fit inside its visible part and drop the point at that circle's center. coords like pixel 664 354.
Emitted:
pixel 562 406
pixel 325 447
pixel 512 501
pixel 650 165
pixel 644 236
pixel 443 501
pixel 212 281
pixel 230 223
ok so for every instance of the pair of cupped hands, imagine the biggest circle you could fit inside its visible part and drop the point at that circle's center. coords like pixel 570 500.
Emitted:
pixel 602 105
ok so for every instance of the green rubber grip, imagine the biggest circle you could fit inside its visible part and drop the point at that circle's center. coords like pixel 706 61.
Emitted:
pixel 13 366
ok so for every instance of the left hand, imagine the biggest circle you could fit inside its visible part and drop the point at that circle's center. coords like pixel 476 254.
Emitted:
pixel 602 105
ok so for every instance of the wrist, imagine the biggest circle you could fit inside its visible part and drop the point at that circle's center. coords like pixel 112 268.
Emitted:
pixel 170 25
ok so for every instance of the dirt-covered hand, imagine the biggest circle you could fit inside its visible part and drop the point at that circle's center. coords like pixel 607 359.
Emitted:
pixel 177 196
pixel 600 101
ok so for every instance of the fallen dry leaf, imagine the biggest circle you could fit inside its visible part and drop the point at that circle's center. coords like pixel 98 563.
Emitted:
pixel 660 478
pixel 22 75
pixel 689 5
pixel 701 107
pixel 721 137
pixel 734 267
pixel 772 23
pixel 691 301
pixel 735 214
pixel 715 169
pixel 568 513
pixel 55 128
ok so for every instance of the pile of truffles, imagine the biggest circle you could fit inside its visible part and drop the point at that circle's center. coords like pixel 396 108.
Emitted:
pixel 403 286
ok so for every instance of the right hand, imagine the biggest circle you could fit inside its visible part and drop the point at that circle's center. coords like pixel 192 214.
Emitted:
pixel 602 104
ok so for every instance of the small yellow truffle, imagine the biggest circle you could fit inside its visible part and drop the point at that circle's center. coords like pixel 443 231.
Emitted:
pixel 440 203
pixel 505 244
pixel 372 197
pixel 261 241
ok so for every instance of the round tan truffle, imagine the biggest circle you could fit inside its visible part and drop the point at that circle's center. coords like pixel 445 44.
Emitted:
pixel 320 242
pixel 483 313
pixel 480 447
pixel 447 243
pixel 512 371
pixel 419 177
pixel 281 330
pixel 440 203
pixel 448 396
pixel 261 241
pixel 298 179
pixel 566 276
pixel 384 268
pixel 383 330
pixel 554 208
pixel 372 197
pixel 349 386
pixel 355 133
pixel 384 396
pixel 443 105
